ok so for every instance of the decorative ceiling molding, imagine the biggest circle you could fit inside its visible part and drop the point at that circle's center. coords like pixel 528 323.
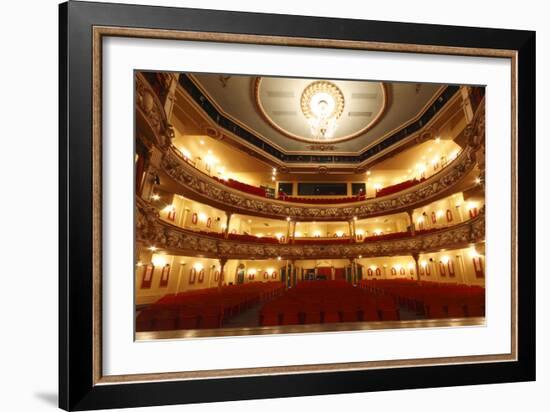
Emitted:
pixel 307 93
pixel 278 155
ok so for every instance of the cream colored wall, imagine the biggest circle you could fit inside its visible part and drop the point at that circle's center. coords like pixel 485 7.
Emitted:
pixel 185 208
pixel 258 267
pixel 386 264
pixel 455 203
pixel 462 262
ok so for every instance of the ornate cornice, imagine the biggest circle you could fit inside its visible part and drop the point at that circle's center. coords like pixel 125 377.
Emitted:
pixel 196 185
pixel 151 230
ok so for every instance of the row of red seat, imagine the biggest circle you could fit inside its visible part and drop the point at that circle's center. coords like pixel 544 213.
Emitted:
pixel 313 302
pixel 243 187
pixel 431 299
pixel 388 190
pixel 323 241
pixel 259 191
pixel 252 238
pixel 321 201
pixel 204 308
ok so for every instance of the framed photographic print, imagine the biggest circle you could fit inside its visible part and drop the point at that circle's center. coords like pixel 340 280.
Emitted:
pixel 307 188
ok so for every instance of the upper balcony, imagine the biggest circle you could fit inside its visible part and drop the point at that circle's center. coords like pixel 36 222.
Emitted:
pixel 192 183
pixel 152 231
pixel 185 179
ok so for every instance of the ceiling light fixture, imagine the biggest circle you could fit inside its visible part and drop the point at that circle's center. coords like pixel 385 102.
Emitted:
pixel 322 104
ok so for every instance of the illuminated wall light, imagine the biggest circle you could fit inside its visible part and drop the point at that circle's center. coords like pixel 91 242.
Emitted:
pixel 260 235
pixel 298 234
pixel 438 139
pixel 251 271
pixel 478 180
pixel 360 256
pixel 186 153
pixel 139 264
pixel 410 266
pixel 155 197
pixel 270 270
pixel 445 259
pixel 278 258
pixel 158 261
pixel 210 159
pixel 360 232
pixel 278 236
pixel 152 248
pixel 439 213
pixel 423 263
pixel 355 218
pixel 339 233
pixel 377 231
pixel 398 267
pixel 288 219
pixel 201 142
pixel 317 233
pixel 472 205
pixel 198 266
pixel 373 267
pixel 454 154
pixel 377 186
pixel 202 217
pixel 473 253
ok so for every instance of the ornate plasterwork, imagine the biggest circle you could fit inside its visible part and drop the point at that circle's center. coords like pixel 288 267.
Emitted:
pixel 322 86
pixel 200 186
pixel 308 92
pixel 151 109
pixel 151 230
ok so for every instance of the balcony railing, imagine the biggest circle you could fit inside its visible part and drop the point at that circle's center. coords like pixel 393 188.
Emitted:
pixel 198 186
pixel 152 231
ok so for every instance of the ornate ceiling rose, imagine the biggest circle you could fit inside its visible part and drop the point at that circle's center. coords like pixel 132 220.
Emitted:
pixel 320 92
pixel 322 104
pixel 294 106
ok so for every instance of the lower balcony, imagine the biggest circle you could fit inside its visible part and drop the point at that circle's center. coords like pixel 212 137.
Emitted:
pixel 158 234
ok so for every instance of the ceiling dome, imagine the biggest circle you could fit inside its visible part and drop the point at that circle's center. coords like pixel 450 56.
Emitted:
pixel 319 110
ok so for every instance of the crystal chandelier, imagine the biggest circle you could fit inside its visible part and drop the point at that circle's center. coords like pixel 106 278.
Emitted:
pixel 322 104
